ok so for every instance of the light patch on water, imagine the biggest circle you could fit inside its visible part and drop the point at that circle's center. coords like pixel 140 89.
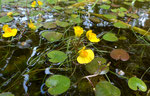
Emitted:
pixel 26 78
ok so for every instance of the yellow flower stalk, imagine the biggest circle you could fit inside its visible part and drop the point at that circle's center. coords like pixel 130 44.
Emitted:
pixel 33 4
pixel 92 36
pixel 85 56
pixel 8 32
pixel 40 3
pixel 78 31
pixel 31 25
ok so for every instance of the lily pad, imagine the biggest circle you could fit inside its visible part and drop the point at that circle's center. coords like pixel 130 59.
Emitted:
pixel 109 16
pixel 119 54
pixel 56 56
pixel 135 83
pixel 57 84
pixel 7 94
pixel 96 66
pixel 120 25
pixel 62 24
pixel 49 25
pixel 5 19
pixel 104 88
pixel 105 6
pixel 52 36
pixel 110 37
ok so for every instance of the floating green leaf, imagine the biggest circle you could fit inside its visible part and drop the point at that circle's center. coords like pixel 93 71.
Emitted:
pixel 109 16
pixel 5 19
pixel 56 56
pixel 49 25
pixel 52 1
pixel 96 66
pixel 7 94
pixel 51 35
pixel 105 6
pixel 110 37
pixel 122 9
pixel 133 15
pixel 57 84
pixel 104 88
pixel 120 25
pixel 134 83
pixel 62 24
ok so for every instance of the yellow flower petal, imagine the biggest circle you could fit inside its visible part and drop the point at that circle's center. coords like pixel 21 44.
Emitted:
pixel 31 25
pixel 13 32
pixel 78 31
pixel 8 32
pixel 33 4
pixel 85 56
pixel 9 13
pixel 5 27
pixel 40 3
pixel 92 36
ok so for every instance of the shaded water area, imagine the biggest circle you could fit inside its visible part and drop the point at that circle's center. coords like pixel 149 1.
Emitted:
pixel 24 65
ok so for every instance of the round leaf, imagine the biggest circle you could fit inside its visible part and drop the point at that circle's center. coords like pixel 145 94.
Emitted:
pixel 119 54
pixel 105 88
pixel 134 83
pixel 62 24
pixel 95 66
pixel 110 37
pixel 49 25
pixel 120 25
pixel 105 6
pixel 56 56
pixel 57 84
pixel 52 36
pixel 7 94
pixel 109 16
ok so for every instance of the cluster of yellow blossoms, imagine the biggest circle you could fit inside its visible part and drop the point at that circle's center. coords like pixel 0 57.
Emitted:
pixel 33 4
pixel 8 32
pixel 85 55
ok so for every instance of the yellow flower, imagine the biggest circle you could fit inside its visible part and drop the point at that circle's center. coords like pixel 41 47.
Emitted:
pixel 85 56
pixel 40 3
pixel 31 25
pixel 33 4
pixel 78 31
pixel 9 13
pixel 8 32
pixel 92 36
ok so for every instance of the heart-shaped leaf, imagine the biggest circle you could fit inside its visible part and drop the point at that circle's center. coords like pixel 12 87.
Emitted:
pixel 135 83
pixel 104 88
pixel 7 94
pixel 56 56
pixel 96 66
pixel 51 36
pixel 110 37
pixel 119 54
pixel 57 84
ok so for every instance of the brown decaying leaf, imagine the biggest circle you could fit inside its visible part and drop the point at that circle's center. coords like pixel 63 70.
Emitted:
pixel 119 54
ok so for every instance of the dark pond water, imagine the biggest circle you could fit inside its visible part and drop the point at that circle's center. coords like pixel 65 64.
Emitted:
pixel 24 68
